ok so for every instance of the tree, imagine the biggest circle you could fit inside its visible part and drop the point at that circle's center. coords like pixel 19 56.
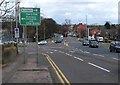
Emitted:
pixel 107 25
pixel 6 7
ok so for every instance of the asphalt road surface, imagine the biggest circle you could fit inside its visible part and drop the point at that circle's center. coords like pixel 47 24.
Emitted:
pixel 81 64
pixel 76 63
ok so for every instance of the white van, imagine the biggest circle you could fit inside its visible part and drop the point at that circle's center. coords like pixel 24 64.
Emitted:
pixel 100 39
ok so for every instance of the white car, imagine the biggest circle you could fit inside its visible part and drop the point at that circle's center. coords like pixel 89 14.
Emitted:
pixel 44 42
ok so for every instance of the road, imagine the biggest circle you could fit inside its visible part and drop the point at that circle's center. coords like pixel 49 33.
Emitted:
pixel 76 63
pixel 81 64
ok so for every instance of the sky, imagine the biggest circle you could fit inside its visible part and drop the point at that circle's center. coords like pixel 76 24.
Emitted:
pixel 96 11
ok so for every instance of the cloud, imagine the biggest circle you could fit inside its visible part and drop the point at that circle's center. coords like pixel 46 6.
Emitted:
pixel 97 10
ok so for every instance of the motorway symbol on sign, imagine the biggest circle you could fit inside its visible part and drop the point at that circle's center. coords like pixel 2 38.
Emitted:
pixel 29 16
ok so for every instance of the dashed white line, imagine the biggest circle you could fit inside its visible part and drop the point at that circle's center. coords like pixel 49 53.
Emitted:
pixel 86 52
pixel 79 58
pixel 115 59
pixel 98 67
pixel 101 55
pixel 81 50
pixel 55 50
pixel 95 54
pixel 61 52
pixel 71 51
pixel 68 54
pixel 50 52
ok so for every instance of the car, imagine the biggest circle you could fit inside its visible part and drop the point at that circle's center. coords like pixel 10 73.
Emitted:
pixel 74 35
pixel 114 46
pixel 58 40
pixel 85 43
pixel 93 43
pixel 44 42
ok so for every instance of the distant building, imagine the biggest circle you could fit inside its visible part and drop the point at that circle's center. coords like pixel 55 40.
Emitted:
pixel 82 30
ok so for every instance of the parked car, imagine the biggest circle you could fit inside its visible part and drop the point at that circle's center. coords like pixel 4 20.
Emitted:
pixel 85 43
pixel 93 43
pixel 114 46
pixel 44 42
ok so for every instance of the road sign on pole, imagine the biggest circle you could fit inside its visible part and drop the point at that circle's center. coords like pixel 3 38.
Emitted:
pixel 16 32
pixel 29 16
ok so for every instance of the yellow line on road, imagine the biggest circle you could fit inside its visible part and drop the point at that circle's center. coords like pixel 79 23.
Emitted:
pixel 57 70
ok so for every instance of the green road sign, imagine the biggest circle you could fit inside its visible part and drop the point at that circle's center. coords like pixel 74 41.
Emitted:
pixel 29 16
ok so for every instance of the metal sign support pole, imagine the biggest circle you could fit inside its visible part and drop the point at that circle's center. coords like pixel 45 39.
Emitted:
pixel 24 43
pixel 37 42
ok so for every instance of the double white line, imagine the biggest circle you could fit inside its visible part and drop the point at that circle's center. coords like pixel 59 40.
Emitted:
pixel 59 73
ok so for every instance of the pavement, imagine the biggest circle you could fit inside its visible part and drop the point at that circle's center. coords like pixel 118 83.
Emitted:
pixel 29 72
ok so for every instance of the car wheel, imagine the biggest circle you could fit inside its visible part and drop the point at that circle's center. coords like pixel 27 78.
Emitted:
pixel 110 50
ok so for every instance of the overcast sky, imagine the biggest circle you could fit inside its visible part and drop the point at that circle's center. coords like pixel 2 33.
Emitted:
pixel 97 11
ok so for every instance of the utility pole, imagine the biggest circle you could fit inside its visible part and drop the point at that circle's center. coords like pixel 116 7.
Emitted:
pixel 16 14
pixel 87 28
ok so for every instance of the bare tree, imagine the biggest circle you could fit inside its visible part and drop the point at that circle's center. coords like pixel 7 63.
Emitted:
pixel 6 7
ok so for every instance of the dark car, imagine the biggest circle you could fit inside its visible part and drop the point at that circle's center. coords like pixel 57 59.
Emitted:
pixel 85 43
pixel 93 43
pixel 114 46
pixel 58 40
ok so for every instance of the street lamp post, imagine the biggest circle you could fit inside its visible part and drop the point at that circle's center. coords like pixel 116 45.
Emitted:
pixel 87 28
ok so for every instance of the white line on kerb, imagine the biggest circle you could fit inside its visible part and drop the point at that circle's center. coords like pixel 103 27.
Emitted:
pixel 98 67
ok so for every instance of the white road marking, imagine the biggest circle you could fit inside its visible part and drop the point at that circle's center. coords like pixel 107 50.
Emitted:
pixel 101 55
pixel 50 52
pixel 78 58
pixel 115 59
pixel 98 67
pixel 68 54
pixel 61 52
pixel 31 53
pixel 81 50
pixel 95 54
pixel 55 50
pixel 86 52
pixel 71 51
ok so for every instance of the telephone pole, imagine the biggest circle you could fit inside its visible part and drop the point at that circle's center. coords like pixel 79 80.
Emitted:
pixel 87 28
pixel 16 14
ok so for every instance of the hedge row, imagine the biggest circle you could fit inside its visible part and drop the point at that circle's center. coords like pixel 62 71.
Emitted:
pixel 9 52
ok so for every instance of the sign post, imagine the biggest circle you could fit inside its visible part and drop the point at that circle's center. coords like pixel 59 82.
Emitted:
pixel 30 17
pixel 16 33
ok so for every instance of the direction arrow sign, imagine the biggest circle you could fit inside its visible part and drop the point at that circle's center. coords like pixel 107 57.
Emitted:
pixel 29 16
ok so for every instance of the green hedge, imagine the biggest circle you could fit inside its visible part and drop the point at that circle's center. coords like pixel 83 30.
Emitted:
pixel 9 52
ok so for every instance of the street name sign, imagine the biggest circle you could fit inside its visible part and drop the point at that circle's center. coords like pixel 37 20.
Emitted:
pixel 29 16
